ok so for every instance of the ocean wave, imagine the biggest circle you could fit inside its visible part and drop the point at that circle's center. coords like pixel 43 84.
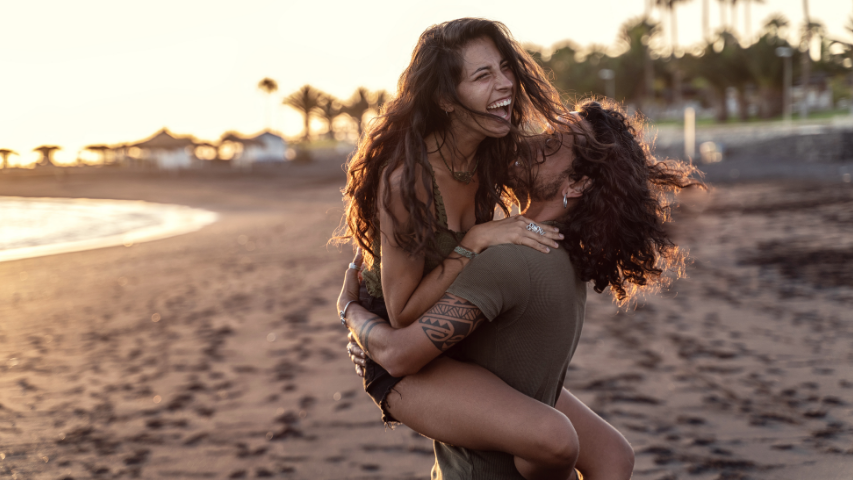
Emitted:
pixel 31 227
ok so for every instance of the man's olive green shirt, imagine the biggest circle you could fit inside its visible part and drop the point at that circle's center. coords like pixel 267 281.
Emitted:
pixel 535 306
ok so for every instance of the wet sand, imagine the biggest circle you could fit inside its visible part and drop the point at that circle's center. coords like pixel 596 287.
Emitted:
pixel 741 371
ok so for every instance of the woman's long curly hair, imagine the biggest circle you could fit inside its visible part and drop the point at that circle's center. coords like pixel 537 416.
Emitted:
pixel 396 137
pixel 615 234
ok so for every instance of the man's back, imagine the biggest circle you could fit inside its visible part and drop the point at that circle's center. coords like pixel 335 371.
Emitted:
pixel 536 305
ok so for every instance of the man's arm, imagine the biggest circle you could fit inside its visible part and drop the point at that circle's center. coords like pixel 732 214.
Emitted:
pixel 404 351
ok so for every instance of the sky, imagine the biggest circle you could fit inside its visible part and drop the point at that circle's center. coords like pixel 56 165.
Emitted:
pixel 106 72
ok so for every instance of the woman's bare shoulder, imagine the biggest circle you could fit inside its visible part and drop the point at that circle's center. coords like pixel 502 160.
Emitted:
pixel 397 177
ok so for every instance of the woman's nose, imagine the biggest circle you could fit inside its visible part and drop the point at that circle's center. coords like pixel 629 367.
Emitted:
pixel 504 82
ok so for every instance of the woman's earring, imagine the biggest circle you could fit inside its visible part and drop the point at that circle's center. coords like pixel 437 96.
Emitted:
pixel 565 201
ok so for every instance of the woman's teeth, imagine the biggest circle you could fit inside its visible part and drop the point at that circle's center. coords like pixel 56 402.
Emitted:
pixel 500 109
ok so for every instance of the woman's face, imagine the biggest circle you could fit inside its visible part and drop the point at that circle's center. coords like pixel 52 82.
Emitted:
pixel 487 85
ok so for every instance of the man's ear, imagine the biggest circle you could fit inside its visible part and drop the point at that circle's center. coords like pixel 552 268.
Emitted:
pixel 576 189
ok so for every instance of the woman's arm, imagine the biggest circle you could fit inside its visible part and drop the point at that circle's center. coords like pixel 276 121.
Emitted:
pixel 407 292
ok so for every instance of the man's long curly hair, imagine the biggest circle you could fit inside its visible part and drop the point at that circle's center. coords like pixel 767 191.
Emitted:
pixel 396 137
pixel 615 234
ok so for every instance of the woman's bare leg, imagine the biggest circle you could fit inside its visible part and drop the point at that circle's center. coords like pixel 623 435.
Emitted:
pixel 468 406
pixel 604 453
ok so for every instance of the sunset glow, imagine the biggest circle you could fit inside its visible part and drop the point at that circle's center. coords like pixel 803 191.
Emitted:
pixel 96 72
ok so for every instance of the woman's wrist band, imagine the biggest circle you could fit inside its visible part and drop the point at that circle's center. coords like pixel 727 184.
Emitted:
pixel 344 312
pixel 464 252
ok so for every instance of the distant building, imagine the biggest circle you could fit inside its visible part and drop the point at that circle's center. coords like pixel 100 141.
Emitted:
pixel 165 151
pixel 265 147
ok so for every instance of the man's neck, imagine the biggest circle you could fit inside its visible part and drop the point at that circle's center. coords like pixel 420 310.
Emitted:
pixel 545 211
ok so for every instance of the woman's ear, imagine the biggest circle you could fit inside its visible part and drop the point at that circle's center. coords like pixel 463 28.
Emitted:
pixel 443 103
pixel 576 189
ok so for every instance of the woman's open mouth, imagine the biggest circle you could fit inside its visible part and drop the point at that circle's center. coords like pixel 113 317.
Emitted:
pixel 501 108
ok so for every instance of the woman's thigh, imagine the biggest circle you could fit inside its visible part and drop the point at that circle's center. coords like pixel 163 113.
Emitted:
pixel 468 406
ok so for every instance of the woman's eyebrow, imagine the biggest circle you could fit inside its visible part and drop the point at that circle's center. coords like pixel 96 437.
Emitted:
pixel 485 67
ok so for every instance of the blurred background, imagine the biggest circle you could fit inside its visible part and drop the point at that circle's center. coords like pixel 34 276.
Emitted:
pixel 97 79
pixel 171 176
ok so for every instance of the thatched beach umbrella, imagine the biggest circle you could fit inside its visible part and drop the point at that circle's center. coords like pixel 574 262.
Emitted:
pixel 101 149
pixel 46 152
pixel 4 154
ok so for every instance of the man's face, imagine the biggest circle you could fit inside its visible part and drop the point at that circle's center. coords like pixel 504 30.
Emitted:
pixel 549 174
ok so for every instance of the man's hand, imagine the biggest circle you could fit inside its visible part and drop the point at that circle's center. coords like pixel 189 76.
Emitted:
pixel 357 355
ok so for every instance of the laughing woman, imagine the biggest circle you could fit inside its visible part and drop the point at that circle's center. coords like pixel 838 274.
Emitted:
pixel 422 190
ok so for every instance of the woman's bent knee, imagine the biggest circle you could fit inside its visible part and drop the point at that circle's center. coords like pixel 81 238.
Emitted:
pixel 623 462
pixel 615 463
pixel 557 442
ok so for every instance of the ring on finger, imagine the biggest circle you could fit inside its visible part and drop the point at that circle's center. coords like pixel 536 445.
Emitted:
pixel 535 228
pixel 353 266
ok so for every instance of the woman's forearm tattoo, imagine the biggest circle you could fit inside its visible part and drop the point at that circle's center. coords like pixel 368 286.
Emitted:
pixel 450 320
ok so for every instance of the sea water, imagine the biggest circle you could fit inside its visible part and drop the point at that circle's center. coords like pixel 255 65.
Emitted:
pixel 31 227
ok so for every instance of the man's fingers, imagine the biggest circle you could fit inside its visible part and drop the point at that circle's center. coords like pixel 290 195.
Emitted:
pixel 354 349
pixel 359 371
pixel 358 352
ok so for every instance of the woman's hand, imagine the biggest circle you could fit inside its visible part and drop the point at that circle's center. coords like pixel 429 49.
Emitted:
pixel 356 355
pixel 349 291
pixel 511 230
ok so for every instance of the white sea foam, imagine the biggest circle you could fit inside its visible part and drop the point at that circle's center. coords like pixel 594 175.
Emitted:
pixel 32 227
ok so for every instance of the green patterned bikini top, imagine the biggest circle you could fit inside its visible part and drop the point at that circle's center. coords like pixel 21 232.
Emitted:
pixel 445 240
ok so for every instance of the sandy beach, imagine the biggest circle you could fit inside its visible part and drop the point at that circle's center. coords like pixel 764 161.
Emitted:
pixel 217 354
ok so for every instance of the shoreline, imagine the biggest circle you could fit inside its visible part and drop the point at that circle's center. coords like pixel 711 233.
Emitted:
pixel 173 220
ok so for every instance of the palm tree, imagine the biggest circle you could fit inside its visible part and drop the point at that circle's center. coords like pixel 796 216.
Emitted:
pixel 329 108
pixel 767 68
pixel 358 105
pixel 669 6
pixel 747 18
pixel 676 74
pixel 723 25
pixel 380 98
pixel 733 17
pixel 806 59
pixel 268 86
pixel 305 100
pixel 636 62
pixel 4 154
pixel 723 64
pixel 46 152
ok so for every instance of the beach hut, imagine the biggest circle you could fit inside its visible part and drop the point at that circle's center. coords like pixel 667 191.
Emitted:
pixel 167 151
pixel 265 147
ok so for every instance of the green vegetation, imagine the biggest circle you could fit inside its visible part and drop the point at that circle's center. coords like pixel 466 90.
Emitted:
pixel 658 81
